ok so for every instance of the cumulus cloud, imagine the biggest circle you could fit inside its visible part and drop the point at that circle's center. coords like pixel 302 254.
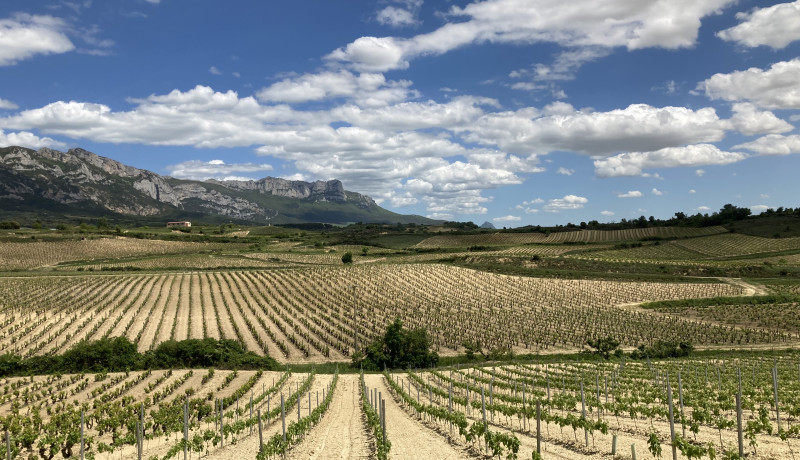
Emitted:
pixel 630 194
pixel 775 88
pixel 396 17
pixel 7 105
pixel 775 26
pixel 567 203
pixel 759 208
pixel 772 144
pixel 23 36
pixel 214 70
pixel 575 24
pixel 27 139
pixel 366 89
pixel 748 120
pixel 508 218
pixel 607 213
pixel 566 171
pixel 656 192
pixel 214 169
pixel 634 163
pixel 639 127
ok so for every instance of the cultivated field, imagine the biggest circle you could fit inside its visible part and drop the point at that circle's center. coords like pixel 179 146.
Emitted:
pixel 297 302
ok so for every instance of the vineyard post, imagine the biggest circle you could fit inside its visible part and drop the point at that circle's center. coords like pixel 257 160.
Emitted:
pixel 298 407
pixel 450 406
pixel 538 427
pixel 383 419
pixel 309 403
pixel 82 425
pixel 260 432
pixel 524 412
pixel 317 394
pixel 633 451
pixel 739 422
pixel 269 399
pixel 491 397
pixel 139 430
pixel 671 421
pixel 186 429
pixel 8 446
pixel 486 425
pixel 283 420
pixel 583 414
pixel 251 411
pixel 775 390
pixel 597 390
pixel 141 423
pixel 222 422
pixel 614 445
pixel 680 402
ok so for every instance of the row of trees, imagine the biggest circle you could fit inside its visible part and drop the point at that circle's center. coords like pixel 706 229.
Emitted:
pixel 119 354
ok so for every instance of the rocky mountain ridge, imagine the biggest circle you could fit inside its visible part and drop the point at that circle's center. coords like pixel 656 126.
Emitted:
pixel 79 178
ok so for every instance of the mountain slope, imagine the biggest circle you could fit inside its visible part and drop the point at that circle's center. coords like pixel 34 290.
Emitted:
pixel 79 182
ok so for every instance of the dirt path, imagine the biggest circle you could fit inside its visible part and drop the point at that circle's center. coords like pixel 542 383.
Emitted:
pixel 749 289
pixel 409 437
pixel 342 432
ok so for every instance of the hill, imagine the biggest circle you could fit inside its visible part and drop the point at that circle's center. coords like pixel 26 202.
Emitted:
pixel 53 185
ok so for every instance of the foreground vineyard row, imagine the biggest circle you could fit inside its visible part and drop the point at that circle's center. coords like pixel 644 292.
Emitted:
pixel 314 314
pixel 566 410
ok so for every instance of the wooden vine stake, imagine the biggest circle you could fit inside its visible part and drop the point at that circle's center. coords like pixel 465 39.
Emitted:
pixel 739 414
pixel 186 430
pixel 671 421
pixel 583 414
pixel 283 419
pixel 260 432
pixel 82 425
pixel 775 390
pixel 8 446
pixel 538 427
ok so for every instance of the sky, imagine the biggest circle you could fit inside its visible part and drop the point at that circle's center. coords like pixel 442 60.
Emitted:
pixel 515 112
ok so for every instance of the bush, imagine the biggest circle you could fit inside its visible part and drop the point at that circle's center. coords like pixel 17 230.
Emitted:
pixel 399 348
pixel 9 225
pixel 663 349
pixel 347 258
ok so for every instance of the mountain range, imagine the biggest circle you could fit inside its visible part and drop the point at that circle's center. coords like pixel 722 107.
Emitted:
pixel 78 183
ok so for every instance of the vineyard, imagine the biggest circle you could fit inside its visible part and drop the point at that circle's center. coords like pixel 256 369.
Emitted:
pixel 578 236
pixel 319 314
pixel 297 302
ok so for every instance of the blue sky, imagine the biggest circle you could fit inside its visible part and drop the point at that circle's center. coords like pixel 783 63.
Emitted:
pixel 516 112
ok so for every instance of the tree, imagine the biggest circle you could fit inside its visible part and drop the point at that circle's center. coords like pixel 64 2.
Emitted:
pixel 347 258
pixel 604 346
pixel 399 348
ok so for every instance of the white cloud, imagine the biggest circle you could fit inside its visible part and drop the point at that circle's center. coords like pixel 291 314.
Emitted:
pixel 607 213
pixel 773 144
pixel 775 26
pixel 214 169
pixel 23 36
pixel 656 192
pixel 759 208
pixel 703 209
pixel 576 24
pixel 748 120
pixel 215 71
pixel 699 172
pixel 764 196
pixel 7 105
pixel 775 88
pixel 396 17
pixel 30 140
pixel 366 89
pixel 692 191
pixel 630 194
pixel 638 127
pixel 569 202
pixel 633 163
pixel 566 171
pixel 508 218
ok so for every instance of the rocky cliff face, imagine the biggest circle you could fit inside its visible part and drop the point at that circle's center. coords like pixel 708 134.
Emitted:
pixel 79 176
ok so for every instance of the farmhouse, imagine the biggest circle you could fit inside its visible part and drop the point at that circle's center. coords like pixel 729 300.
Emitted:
pixel 179 224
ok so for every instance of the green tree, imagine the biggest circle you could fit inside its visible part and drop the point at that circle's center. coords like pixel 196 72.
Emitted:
pixel 347 258
pixel 399 348
pixel 604 346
